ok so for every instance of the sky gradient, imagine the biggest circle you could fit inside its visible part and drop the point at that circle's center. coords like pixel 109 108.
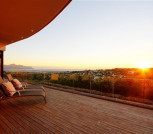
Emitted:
pixel 90 34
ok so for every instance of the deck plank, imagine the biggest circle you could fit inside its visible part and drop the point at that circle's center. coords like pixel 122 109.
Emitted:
pixel 2 131
pixel 21 120
pixel 14 122
pixel 72 114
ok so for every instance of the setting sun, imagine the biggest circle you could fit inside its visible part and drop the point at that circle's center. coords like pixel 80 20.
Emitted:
pixel 143 65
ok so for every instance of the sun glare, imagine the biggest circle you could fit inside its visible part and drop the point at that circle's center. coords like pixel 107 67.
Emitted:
pixel 143 65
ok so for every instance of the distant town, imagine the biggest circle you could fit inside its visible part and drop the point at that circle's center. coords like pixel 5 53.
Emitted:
pixel 116 73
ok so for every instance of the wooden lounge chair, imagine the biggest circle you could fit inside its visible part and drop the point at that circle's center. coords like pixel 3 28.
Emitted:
pixel 12 93
pixel 24 85
pixel 10 78
pixel 26 88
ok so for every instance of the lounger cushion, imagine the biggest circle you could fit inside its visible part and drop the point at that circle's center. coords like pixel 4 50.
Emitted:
pixel 8 88
pixel 32 92
pixel 17 84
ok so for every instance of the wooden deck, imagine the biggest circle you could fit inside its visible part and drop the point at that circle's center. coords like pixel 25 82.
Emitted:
pixel 72 113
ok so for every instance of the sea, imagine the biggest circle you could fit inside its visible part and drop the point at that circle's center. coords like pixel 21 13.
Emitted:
pixel 43 70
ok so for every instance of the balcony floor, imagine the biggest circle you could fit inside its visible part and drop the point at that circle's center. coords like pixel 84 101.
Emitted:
pixel 71 113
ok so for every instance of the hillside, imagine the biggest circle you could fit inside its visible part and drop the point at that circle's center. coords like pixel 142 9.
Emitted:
pixel 14 66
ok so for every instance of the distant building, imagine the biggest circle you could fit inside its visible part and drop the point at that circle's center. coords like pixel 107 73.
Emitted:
pixel 131 72
pixel 54 77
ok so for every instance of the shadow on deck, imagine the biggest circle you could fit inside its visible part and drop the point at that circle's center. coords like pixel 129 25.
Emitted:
pixel 71 113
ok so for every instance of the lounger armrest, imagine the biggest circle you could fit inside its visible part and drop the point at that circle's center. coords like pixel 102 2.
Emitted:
pixel 25 85
pixel 43 89
pixel 16 92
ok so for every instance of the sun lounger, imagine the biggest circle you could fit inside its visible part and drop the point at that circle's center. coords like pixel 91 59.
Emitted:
pixel 18 85
pixel 8 91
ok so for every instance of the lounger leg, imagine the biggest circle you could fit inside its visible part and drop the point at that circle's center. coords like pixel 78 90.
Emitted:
pixel 44 98
pixel 44 94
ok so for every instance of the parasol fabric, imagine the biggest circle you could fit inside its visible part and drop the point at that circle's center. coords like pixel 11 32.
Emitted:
pixel 20 19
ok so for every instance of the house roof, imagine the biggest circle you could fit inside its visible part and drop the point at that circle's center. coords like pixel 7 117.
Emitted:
pixel 22 19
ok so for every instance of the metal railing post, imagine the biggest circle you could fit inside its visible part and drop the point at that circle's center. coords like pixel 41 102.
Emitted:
pixel 113 87
pixel 144 86
pixel 90 83
pixel 73 82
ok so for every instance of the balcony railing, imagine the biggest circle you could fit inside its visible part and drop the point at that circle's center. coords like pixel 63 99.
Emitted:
pixel 135 89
